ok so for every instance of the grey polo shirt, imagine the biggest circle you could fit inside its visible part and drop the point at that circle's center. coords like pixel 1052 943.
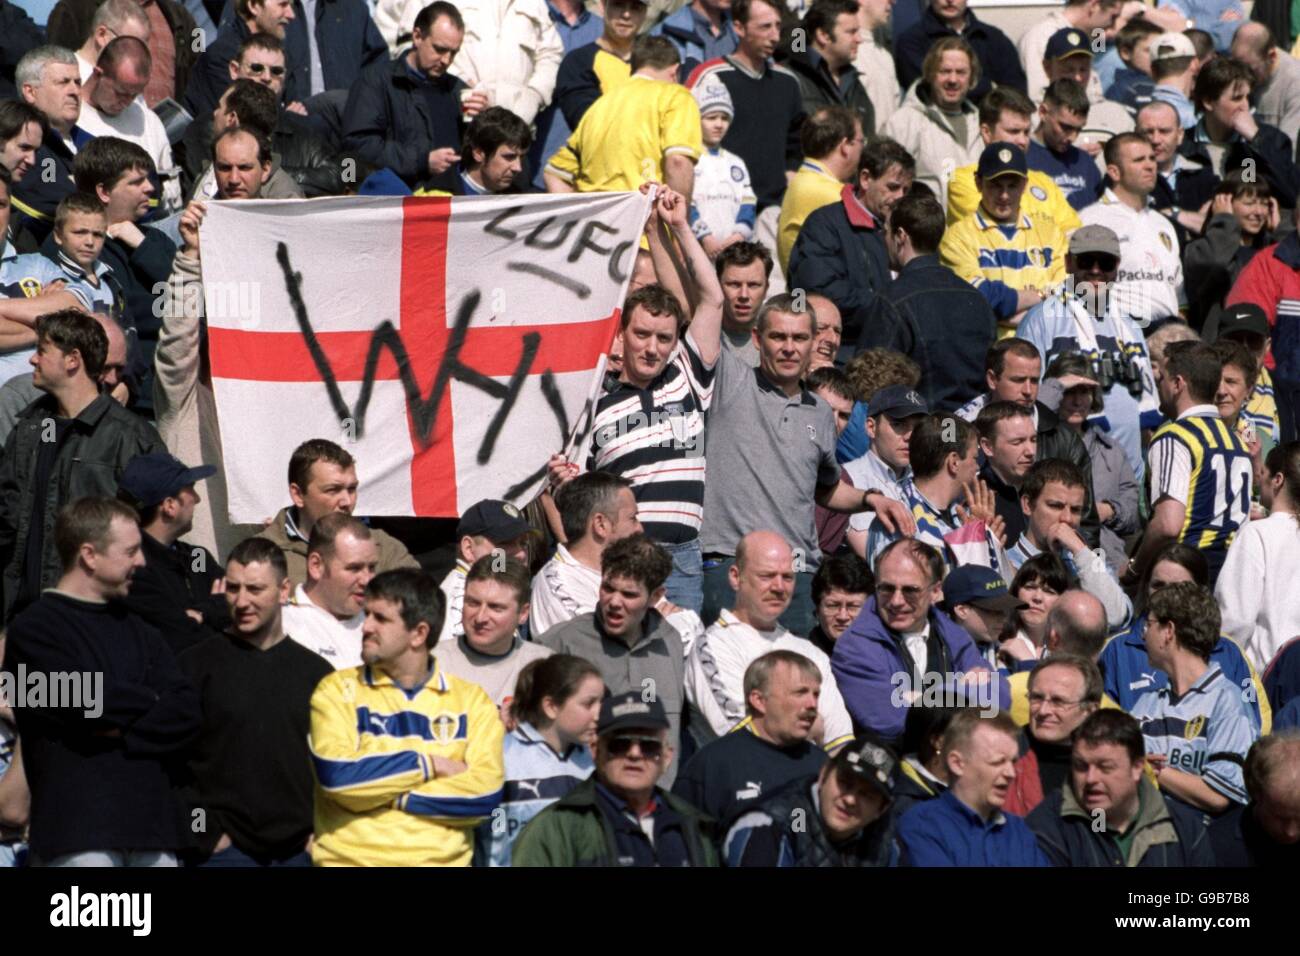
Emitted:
pixel 768 453
pixel 653 664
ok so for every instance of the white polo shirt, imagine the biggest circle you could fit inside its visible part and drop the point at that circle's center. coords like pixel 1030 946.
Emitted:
pixel 562 590
pixel 316 629
pixel 1150 281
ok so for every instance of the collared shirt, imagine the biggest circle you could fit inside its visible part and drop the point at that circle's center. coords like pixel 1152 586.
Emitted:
pixel 1179 101
pixel 1206 732
pixel 309 26
pixel 1150 280
pixel 774 450
pixel 651 838
pixel 1180 163
pixel 813 186
pixel 338 641
pixel 471 187
pixel 871 471
pixel 1000 259
pixel 562 589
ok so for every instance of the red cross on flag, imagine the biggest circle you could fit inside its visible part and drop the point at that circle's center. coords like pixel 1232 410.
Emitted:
pixel 450 345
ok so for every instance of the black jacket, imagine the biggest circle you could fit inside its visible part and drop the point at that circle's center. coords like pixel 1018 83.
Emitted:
pixel 95 451
pixel 998 58
pixel 939 321
pixel 771 835
pixel 175 580
pixel 394 120
pixel 840 253
pixel 18 35
pixel 1270 152
pixel 106 780
pixel 210 76
pixel 819 89
pixel 1211 264
pixel 307 158
pixel 1168 833
pixel 1193 188
pixel 1239 840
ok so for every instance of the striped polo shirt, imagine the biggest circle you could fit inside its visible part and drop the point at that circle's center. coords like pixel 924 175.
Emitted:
pixel 1206 732
pixel 654 437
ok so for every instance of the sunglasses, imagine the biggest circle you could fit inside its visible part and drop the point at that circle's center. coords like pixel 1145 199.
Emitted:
pixel 1088 261
pixel 257 69
pixel 652 748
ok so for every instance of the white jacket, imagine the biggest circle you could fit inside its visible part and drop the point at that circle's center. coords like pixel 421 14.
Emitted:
pixel 511 48
pixel 923 131
pixel 1256 588
pixel 715 675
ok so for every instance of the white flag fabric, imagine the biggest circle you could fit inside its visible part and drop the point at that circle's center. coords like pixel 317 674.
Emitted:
pixel 450 344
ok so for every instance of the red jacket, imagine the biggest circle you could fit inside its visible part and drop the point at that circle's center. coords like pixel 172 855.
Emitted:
pixel 1027 789
pixel 1271 281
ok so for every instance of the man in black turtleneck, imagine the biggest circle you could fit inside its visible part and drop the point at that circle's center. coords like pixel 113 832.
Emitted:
pixel 1063 690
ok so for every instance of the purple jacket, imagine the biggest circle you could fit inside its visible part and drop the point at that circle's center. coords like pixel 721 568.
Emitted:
pixel 872 675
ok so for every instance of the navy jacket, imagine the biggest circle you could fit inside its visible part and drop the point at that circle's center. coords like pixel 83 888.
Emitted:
pixel 346 37
pixel 1282 675
pixel 211 74
pixel 946 832
pixel 1239 840
pixel 37 196
pixel 1169 833
pixel 939 321
pixel 999 59
pixel 391 122
pixel 840 253
pixel 18 35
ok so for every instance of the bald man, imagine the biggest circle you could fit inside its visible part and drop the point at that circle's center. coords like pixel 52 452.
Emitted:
pixel 1076 627
pixel 1276 92
pixel 827 331
pixel 763 578
pixel 113 19
pixel 111 106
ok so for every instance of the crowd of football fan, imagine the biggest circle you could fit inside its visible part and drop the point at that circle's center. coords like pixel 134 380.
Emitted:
pixel 991 350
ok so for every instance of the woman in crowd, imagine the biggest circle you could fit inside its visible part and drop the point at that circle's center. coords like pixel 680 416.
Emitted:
pixel 547 754
pixel 1127 673
pixel 1039 582
pixel 1113 483
pixel 1243 217
pixel 1256 590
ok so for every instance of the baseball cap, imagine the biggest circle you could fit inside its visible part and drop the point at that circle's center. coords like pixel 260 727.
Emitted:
pixel 1094 239
pixel 1067 42
pixel 629 712
pixel 980 586
pixel 713 97
pixel 1246 317
pixel 897 401
pixel 871 760
pixel 1002 159
pixel 493 519
pixel 151 478
pixel 1171 46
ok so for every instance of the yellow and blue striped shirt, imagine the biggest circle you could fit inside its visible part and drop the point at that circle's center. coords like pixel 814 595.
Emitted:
pixel 1002 259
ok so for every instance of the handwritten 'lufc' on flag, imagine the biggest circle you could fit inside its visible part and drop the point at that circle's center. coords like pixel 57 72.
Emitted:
pixel 450 345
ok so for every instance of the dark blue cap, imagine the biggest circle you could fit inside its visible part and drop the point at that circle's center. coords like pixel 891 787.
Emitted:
pixel 629 712
pixel 1067 42
pixel 897 401
pixel 1001 159
pixel 493 519
pixel 150 479
pixel 981 586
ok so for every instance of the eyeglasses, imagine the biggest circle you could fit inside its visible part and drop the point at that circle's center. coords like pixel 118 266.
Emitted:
pixel 257 69
pixel 1058 703
pixel 652 748
pixel 911 593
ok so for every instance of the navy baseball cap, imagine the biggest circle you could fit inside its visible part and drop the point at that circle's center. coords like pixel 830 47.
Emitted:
pixel 493 519
pixel 151 478
pixel 897 401
pixel 1002 159
pixel 629 712
pixel 980 586
pixel 1068 42
pixel 871 760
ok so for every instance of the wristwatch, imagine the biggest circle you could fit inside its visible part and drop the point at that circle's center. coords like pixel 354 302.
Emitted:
pixel 868 493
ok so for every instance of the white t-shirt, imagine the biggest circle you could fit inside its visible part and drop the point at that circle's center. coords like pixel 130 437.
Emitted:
pixel 1150 281
pixel 316 629
pixel 140 125
pixel 562 590
pixel 1256 588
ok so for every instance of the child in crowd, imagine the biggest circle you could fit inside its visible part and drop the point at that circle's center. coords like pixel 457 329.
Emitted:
pixel 723 207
